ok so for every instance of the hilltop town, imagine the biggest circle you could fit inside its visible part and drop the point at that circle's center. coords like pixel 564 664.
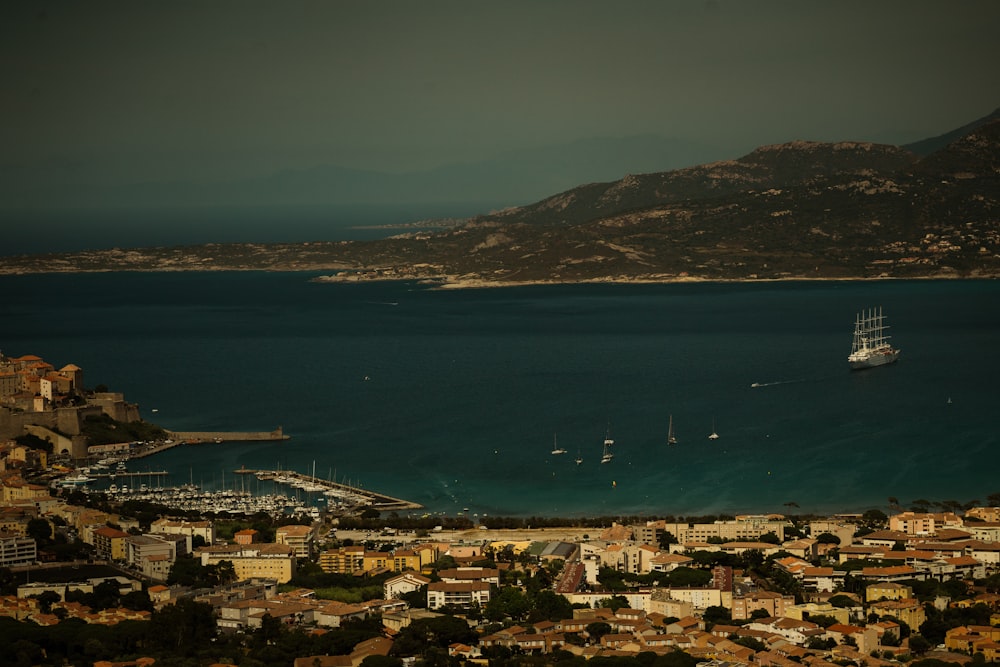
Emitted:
pixel 863 590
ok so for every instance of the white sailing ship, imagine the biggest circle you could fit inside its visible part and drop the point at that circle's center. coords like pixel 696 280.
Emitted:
pixel 607 455
pixel 871 344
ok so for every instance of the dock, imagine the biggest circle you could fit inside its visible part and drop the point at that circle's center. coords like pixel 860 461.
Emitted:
pixel 343 493
pixel 128 473
pixel 196 437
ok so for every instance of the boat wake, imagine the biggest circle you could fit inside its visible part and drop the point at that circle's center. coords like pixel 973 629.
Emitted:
pixel 757 385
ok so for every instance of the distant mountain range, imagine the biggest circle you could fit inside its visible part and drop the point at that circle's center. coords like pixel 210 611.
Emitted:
pixel 801 210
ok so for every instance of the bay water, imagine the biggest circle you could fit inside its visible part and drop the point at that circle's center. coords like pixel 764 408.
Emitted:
pixel 454 398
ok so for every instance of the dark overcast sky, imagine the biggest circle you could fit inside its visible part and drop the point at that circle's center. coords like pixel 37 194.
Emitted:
pixel 134 90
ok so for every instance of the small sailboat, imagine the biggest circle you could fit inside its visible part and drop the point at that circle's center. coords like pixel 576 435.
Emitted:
pixel 579 458
pixel 671 438
pixel 606 456
pixel 556 449
pixel 713 435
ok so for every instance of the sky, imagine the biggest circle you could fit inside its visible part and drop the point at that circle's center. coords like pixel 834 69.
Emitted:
pixel 117 92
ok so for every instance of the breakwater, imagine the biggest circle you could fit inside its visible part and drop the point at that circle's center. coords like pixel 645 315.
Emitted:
pixel 344 495
pixel 193 437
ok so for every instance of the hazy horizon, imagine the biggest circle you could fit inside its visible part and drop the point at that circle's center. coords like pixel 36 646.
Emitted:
pixel 110 105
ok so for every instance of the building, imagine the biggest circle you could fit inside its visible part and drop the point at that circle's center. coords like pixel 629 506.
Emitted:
pixel 192 529
pixel 463 594
pixel 345 560
pixel 923 523
pixel 407 582
pixel 299 538
pixel 257 561
pixel 774 604
pixel 110 543
pixel 743 527
pixel 887 591
pixel 17 550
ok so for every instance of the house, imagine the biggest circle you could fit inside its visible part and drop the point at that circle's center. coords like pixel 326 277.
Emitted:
pixel 407 582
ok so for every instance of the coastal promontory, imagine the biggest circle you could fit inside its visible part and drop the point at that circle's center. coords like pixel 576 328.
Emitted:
pixel 794 211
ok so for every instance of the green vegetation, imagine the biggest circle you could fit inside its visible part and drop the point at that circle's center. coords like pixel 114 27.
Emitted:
pixel 103 430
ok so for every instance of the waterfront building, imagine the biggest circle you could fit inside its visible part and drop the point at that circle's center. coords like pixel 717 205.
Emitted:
pixel 16 488
pixel 741 528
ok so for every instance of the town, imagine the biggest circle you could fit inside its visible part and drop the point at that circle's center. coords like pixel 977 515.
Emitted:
pixel 142 581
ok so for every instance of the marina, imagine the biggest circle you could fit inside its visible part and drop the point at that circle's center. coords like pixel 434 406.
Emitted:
pixel 343 495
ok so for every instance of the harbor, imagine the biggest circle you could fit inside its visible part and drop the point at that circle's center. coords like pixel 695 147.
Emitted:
pixel 344 496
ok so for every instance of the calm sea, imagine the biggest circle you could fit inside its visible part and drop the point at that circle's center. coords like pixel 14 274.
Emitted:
pixel 454 398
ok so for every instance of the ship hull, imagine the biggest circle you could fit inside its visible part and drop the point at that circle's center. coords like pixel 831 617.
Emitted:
pixel 874 359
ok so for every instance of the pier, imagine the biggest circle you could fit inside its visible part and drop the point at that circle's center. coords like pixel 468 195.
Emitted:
pixel 344 493
pixel 195 437
pixel 128 473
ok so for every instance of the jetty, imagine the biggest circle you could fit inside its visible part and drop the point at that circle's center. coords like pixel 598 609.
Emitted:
pixel 196 437
pixel 346 495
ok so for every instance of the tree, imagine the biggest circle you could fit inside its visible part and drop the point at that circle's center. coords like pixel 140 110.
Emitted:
pixel 827 538
pixel 919 645
pixel 46 599
pixel 598 629
pixel 547 605
pixel 665 539
pixel 716 614
pixel 381 661
pixel 843 601
pixel 181 628
pixel 40 530
pixel 614 603
pixel 875 518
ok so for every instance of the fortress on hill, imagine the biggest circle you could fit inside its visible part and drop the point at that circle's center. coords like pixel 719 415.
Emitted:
pixel 51 404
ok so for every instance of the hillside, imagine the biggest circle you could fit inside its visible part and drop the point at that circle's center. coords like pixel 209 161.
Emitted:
pixel 796 210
